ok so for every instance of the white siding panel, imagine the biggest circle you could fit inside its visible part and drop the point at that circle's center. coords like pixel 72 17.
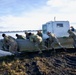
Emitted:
pixel 59 30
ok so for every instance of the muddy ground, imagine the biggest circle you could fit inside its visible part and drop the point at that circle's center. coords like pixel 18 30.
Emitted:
pixel 47 63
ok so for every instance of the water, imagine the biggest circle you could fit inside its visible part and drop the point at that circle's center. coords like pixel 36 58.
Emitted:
pixel 12 34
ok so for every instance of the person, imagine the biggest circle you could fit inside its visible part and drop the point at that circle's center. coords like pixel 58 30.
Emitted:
pixel 37 40
pixel 53 39
pixel 27 36
pixel 73 36
pixel 20 36
pixel 39 33
pixel 72 28
pixel 47 42
pixel 10 42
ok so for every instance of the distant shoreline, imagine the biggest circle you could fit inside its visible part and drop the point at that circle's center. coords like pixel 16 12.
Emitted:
pixel 19 31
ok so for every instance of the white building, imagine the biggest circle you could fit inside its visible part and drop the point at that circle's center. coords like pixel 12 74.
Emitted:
pixel 59 28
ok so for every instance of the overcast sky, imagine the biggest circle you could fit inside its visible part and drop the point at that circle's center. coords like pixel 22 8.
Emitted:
pixel 31 14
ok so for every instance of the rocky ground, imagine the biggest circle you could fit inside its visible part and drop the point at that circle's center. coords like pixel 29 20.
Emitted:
pixel 47 63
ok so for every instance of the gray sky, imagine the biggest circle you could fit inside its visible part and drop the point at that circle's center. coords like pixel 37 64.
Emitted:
pixel 31 14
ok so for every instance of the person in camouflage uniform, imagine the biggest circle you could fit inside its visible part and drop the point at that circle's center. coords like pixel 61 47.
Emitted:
pixel 10 42
pixel 37 40
pixel 39 33
pixel 53 39
pixel 27 35
pixel 73 36
pixel 20 36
